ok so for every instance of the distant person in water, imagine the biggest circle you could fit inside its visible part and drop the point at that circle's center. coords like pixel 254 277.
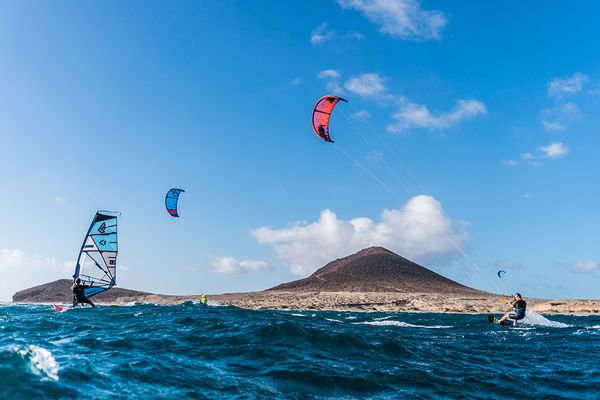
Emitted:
pixel 519 305
pixel 204 299
pixel 79 296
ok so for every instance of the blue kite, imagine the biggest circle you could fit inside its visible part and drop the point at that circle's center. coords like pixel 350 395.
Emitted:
pixel 171 201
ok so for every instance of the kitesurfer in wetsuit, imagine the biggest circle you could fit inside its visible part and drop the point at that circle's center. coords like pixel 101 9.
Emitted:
pixel 204 299
pixel 79 296
pixel 519 305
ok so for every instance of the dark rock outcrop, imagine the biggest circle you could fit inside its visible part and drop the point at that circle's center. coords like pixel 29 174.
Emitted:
pixel 60 292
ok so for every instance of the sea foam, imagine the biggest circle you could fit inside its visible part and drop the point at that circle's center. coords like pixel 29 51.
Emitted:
pixel 40 361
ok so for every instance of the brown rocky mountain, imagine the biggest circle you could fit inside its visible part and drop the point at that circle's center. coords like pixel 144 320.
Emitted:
pixel 376 269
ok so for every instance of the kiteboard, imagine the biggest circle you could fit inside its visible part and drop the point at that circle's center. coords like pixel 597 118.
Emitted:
pixel 508 322
pixel 60 308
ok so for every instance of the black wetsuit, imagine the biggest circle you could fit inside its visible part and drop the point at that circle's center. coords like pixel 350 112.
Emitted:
pixel 79 296
pixel 520 307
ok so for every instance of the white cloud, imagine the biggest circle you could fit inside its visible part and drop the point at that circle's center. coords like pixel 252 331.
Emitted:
pixel 564 86
pixel 557 118
pixel 366 85
pixel 69 266
pixel 229 265
pixel 332 77
pixel 420 230
pixel 60 200
pixel 362 114
pixel 321 35
pixel 294 82
pixel 527 156
pixel 329 74
pixel 19 259
pixel 43 262
pixel 354 36
pixel 553 126
pixel 403 19
pixel 586 266
pixel 12 258
pixel 374 157
pixel 412 115
pixel 554 150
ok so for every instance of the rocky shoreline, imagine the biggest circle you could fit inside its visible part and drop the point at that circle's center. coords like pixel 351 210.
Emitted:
pixel 396 302
pixel 374 279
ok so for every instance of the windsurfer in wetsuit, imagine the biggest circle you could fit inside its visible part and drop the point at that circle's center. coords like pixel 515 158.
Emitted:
pixel 519 305
pixel 79 296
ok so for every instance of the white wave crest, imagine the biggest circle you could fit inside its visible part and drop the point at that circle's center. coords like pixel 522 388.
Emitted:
pixel 533 318
pixel 41 362
pixel 402 324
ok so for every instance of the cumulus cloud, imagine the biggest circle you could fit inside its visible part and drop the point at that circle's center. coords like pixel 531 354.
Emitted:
pixel 332 77
pixel 552 126
pixel 412 115
pixel 329 74
pixel 321 35
pixel 374 157
pixel 367 85
pixel 229 265
pixel 294 82
pixel 559 87
pixel 19 259
pixel 554 150
pixel 362 114
pixel 557 118
pixel 11 258
pixel 402 19
pixel 586 266
pixel 420 230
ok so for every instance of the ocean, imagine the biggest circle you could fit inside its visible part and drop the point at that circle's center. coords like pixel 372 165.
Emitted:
pixel 196 352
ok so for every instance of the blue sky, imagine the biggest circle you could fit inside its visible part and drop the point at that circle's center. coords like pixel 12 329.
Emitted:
pixel 477 124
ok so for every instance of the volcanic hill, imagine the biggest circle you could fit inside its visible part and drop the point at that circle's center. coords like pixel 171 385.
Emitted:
pixel 376 269
pixel 60 292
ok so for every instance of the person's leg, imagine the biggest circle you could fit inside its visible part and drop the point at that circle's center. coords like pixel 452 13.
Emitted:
pixel 74 301
pixel 90 302
pixel 504 318
pixel 516 318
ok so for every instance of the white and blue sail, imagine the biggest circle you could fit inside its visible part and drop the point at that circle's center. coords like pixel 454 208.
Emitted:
pixel 97 262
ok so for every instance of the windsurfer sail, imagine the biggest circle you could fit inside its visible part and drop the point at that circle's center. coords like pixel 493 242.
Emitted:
pixel 97 262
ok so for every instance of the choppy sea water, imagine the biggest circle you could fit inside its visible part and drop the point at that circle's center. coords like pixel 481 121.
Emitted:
pixel 191 351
